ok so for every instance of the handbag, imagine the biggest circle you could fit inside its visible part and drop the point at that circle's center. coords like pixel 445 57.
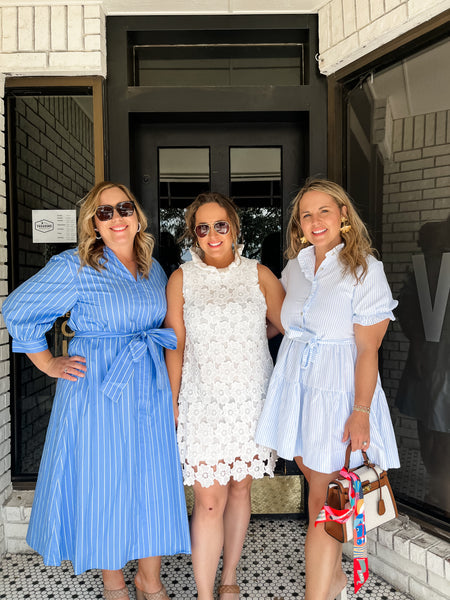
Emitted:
pixel 379 501
pixel 358 500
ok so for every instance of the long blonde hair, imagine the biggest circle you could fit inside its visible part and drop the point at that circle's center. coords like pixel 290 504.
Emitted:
pixel 357 242
pixel 90 249
pixel 208 198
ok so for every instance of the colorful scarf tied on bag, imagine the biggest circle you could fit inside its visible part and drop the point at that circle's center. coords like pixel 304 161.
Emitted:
pixel 356 499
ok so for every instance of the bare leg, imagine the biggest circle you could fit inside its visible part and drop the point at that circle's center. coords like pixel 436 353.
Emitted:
pixel 236 520
pixel 148 575
pixel 207 535
pixel 113 580
pixel 324 575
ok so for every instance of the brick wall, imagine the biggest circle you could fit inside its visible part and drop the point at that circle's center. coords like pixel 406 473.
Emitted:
pixel 53 38
pixel 349 29
pixel 54 168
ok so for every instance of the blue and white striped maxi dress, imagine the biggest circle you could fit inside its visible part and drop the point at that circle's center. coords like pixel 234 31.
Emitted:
pixel 110 487
pixel 312 389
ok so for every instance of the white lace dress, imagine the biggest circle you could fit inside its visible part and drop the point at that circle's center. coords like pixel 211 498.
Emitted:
pixel 226 371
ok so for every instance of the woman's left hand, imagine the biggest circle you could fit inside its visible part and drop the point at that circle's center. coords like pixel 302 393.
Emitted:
pixel 357 429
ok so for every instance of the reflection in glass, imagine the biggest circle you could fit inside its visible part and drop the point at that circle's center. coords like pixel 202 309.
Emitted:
pixel 219 64
pixel 51 166
pixel 183 174
pixel 424 388
pixel 255 186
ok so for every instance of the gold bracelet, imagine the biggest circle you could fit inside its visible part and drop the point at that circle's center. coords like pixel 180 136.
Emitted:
pixel 361 408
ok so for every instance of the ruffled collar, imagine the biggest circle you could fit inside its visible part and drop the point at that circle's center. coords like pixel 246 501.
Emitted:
pixel 307 259
pixel 198 261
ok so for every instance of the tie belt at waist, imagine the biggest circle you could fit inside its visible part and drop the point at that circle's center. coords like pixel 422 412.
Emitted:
pixel 121 370
pixel 312 343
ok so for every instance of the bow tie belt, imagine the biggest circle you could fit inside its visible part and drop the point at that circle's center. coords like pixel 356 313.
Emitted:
pixel 121 370
pixel 312 343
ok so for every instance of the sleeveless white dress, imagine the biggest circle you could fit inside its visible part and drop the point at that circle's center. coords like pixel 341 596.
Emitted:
pixel 226 371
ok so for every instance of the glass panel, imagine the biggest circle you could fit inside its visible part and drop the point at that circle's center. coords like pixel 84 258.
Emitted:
pixel 219 64
pixel 255 185
pixel 51 167
pixel 183 174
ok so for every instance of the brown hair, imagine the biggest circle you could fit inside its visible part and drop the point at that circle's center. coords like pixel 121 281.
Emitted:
pixel 357 243
pixel 209 198
pixel 90 249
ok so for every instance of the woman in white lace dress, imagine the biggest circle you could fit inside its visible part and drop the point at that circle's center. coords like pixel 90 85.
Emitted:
pixel 219 373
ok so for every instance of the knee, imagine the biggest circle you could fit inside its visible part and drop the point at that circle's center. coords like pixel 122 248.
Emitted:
pixel 240 490
pixel 209 507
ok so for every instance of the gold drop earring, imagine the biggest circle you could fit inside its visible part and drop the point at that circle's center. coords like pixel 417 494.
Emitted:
pixel 303 240
pixel 345 225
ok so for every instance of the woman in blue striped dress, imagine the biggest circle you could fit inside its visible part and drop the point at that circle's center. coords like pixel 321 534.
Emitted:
pixel 110 487
pixel 325 390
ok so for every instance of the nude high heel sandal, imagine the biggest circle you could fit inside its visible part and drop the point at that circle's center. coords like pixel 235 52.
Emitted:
pixel 342 594
pixel 116 594
pixel 161 595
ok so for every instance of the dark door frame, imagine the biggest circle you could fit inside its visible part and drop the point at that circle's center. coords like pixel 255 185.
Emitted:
pixel 124 100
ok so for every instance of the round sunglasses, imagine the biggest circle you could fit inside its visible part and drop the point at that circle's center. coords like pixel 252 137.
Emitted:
pixel 105 212
pixel 203 229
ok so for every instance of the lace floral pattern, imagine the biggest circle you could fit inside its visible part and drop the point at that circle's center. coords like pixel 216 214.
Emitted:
pixel 226 372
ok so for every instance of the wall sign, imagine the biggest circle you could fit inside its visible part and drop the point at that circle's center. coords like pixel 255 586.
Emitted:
pixel 54 226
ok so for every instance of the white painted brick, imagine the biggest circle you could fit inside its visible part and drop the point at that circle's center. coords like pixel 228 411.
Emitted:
pixel 16 530
pixel 349 17
pixel 390 4
pixel 25 42
pixel 443 182
pixel 419 131
pixel 362 13
pixel 386 531
pixel 41 28
pixel 18 546
pixel 75 28
pixel 386 23
pixel 93 42
pixel 337 23
pixel 436 557
pixel 402 564
pixel 9 32
pixel 411 165
pixel 58 27
pixel 376 9
pixel 92 11
pixel 442 203
pixel 324 28
pixel 447 569
pixel 402 539
pixel 389 573
pixel 24 62
pixel 430 129
pixel 397 136
pixel 347 46
pixel 75 60
pixel 437 150
pixel 437 171
pixel 420 591
pixel 92 26
pixel 441 127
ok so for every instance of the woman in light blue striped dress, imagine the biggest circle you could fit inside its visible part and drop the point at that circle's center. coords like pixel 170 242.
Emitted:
pixel 110 487
pixel 325 390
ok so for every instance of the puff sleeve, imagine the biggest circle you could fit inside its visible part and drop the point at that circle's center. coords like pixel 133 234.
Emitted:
pixel 372 300
pixel 30 311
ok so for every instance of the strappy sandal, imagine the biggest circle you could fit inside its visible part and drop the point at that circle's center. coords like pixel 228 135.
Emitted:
pixel 161 595
pixel 116 594
pixel 229 589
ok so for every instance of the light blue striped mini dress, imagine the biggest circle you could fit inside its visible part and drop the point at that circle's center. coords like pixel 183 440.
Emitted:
pixel 110 486
pixel 311 393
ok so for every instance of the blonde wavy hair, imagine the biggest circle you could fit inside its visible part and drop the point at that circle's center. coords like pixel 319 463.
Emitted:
pixel 357 242
pixel 90 249
pixel 209 198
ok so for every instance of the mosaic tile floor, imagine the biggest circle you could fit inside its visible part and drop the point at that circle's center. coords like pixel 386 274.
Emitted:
pixel 272 568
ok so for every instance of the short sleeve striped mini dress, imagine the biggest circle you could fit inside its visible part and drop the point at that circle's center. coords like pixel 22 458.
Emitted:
pixel 110 486
pixel 311 393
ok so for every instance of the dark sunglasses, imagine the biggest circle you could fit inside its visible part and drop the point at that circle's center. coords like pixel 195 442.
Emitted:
pixel 203 229
pixel 105 212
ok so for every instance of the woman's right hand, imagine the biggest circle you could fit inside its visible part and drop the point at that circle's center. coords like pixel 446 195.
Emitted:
pixel 61 367
pixel 66 367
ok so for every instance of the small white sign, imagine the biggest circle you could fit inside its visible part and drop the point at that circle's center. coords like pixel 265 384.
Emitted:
pixel 54 226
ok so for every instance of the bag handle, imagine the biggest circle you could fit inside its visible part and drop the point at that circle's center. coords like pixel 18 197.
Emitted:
pixel 381 506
